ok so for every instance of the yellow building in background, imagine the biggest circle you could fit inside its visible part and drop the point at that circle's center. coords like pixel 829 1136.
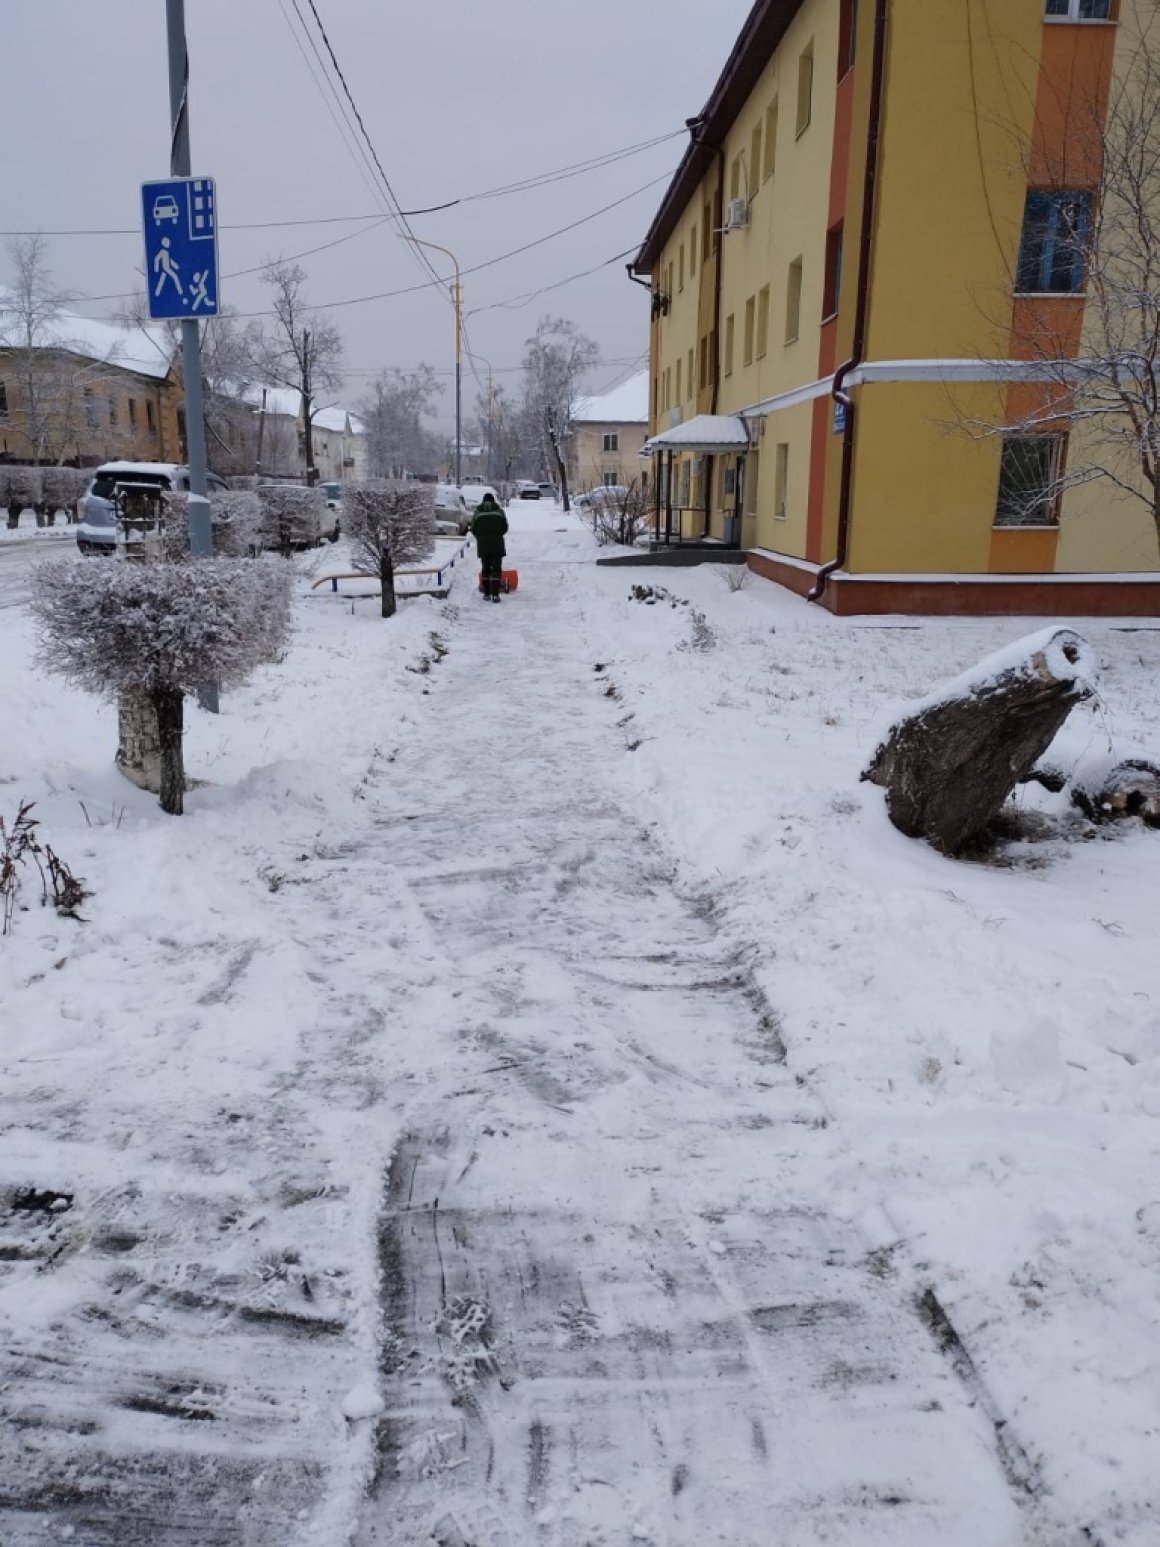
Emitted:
pixel 852 272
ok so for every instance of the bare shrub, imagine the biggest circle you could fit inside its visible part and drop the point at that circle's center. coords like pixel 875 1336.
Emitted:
pixel 737 577
pixel 389 524
pixel 618 516
pixel 20 846
pixel 21 488
pixel 291 516
pixel 164 630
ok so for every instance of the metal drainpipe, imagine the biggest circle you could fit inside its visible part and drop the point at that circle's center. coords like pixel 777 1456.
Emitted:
pixel 861 313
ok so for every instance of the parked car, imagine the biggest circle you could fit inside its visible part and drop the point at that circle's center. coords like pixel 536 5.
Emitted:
pixel 452 516
pixel 333 492
pixel 97 532
pixel 548 491
pixel 473 493
pixel 525 489
pixel 603 495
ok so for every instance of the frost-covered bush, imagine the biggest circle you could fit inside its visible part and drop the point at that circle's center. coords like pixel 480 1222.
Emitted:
pixel 163 630
pixel 63 487
pixel 389 524
pixel 21 488
pixel 235 522
pixel 292 517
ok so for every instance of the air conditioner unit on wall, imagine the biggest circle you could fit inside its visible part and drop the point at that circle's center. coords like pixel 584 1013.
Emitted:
pixel 737 218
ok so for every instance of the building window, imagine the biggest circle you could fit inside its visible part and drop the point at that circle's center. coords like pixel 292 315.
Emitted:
pixel 847 37
pixel 690 376
pixel 680 395
pixel 706 232
pixel 1055 230
pixel 693 253
pixel 793 301
pixel 3 400
pixel 149 419
pixel 832 299
pixel 1029 480
pixel 755 158
pixel 681 267
pixel 805 102
pixel 90 409
pixel 112 410
pixel 750 317
pixel 770 141
pixel 763 323
pixel 1079 10
pixel 730 340
pixel 612 440
pixel 781 482
pixel 133 412
pixel 735 179
pixel 611 478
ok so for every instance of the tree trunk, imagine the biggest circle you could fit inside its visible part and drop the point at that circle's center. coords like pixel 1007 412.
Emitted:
pixel 948 768
pixel 387 577
pixel 169 704
pixel 139 743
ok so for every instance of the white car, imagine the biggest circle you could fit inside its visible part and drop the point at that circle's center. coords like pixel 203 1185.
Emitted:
pixel 97 532
pixel 452 515
pixel 474 494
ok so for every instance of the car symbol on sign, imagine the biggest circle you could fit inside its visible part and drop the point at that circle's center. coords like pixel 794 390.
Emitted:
pixel 165 208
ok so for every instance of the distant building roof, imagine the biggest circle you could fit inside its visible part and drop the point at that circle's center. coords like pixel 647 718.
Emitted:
pixel 626 404
pixel 286 402
pixel 144 351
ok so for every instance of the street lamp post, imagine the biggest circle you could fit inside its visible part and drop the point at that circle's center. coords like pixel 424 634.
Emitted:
pixel 458 296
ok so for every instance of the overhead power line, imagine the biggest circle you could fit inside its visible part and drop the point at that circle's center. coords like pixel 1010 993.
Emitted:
pixel 562 174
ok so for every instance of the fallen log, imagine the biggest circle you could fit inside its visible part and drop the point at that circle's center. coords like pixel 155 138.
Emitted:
pixel 1115 790
pixel 950 764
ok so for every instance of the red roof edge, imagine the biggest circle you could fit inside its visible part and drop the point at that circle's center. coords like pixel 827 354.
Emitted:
pixel 764 29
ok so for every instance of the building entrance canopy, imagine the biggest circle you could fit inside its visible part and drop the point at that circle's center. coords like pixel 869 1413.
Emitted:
pixel 705 435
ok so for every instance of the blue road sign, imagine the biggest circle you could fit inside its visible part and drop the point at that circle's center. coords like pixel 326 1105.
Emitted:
pixel 181 262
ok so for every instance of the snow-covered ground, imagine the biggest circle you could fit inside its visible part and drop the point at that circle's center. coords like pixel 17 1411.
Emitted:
pixel 535 1097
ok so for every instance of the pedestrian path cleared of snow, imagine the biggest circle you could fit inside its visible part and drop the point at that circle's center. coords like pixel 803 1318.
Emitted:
pixel 493 1116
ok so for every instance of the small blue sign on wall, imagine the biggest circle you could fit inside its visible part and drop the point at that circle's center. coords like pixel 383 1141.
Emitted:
pixel 181 255
pixel 841 417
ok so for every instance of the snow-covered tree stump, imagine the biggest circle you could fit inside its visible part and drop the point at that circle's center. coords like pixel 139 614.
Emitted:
pixel 950 764
pixel 1117 790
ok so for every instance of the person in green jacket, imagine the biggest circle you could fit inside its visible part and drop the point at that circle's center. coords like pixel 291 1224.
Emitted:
pixel 488 528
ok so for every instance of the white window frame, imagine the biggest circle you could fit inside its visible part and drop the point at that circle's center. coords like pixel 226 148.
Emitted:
pixel 1073 18
pixel 612 440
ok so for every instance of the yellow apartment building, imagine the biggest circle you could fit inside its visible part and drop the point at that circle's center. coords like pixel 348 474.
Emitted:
pixel 853 271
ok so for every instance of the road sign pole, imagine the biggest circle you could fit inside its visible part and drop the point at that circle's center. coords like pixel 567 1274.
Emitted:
pixel 200 530
pixel 180 165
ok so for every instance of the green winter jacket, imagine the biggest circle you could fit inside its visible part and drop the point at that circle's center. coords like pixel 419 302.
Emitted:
pixel 488 529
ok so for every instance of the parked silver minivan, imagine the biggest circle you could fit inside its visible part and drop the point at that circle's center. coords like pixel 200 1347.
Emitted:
pixel 97 532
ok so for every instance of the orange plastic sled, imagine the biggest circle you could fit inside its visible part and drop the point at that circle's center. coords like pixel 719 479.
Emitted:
pixel 509 581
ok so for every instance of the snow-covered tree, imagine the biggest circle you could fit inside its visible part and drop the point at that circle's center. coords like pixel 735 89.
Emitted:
pixel 291 516
pixel 398 441
pixel 62 488
pixel 163 630
pixel 235 524
pixel 389 524
pixel 301 349
pixel 557 359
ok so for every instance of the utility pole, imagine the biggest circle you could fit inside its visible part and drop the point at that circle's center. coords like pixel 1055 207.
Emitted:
pixel 261 432
pixel 457 296
pixel 490 422
pixel 307 409
pixel 200 530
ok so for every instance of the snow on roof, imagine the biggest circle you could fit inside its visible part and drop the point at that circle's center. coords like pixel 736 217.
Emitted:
pixel 626 404
pixel 706 432
pixel 145 351
pixel 286 402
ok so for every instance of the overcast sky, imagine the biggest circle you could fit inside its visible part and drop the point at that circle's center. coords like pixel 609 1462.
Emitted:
pixel 459 97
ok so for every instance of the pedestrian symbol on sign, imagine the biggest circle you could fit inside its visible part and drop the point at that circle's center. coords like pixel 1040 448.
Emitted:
pixel 165 268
